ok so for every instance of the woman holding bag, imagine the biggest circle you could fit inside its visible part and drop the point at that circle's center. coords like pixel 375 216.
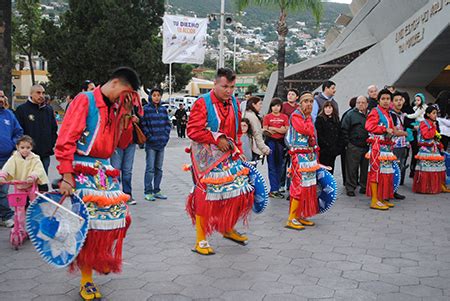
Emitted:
pixel 123 156
pixel 254 106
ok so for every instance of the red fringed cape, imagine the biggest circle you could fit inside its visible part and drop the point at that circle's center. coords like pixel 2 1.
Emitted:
pixel 384 180
pixel 306 195
pixel 220 215
pixel 429 175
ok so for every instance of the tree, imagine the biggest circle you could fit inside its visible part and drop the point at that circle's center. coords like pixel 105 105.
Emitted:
pixel 252 88
pixel 292 56
pixel 5 48
pixel 263 77
pixel 182 74
pixel 251 65
pixel 26 30
pixel 96 36
pixel 315 6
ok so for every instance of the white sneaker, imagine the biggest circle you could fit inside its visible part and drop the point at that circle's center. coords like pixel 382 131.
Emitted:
pixel 9 223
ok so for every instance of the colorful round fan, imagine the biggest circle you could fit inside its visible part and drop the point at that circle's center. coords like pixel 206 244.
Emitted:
pixel 260 186
pixel 397 176
pixel 57 233
pixel 326 190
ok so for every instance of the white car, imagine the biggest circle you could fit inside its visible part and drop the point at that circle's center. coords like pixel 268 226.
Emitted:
pixel 189 102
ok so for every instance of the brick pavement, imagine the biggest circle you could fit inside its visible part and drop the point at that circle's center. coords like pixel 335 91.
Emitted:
pixel 353 253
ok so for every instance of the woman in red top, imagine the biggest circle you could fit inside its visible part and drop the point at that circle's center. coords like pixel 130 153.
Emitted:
pixel 275 125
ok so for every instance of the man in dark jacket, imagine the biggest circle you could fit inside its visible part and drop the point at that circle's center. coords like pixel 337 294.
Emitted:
pixel 38 121
pixel 181 116
pixel 355 135
pixel 156 127
pixel 327 94
pixel 10 131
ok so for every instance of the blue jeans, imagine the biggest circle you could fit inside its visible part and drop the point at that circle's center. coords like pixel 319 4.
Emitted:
pixel 275 163
pixel 153 170
pixel 122 159
pixel 5 212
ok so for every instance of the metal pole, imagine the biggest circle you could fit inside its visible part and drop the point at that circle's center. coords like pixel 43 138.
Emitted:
pixel 234 54
pixel 170 80
pixel 222 21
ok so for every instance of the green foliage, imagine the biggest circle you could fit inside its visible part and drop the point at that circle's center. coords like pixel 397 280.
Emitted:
pixel 292 57
pixel 252 65
pixel 182 74
pixel 96 36
pixel 263 77
pixel 26 29
pixel 252 88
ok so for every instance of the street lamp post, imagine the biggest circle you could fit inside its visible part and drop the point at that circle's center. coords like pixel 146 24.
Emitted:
pixel 238 28
pixel 222 21
pixel 234 53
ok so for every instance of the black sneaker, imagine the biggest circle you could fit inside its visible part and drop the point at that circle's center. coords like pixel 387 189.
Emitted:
pixel 351 193
pixel 131 201
pixel 276 195
pixel 280 194
pixel 398 196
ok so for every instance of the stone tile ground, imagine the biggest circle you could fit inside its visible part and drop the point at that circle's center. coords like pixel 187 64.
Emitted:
pixel 353 253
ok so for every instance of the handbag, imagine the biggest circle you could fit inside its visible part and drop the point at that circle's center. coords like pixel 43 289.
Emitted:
pixel 140 137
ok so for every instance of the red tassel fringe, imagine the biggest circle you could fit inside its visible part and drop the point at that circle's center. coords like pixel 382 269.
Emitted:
pixel 385 186
pixel 308 203
pixel 220 216
pixel 102 250
pixel 428 182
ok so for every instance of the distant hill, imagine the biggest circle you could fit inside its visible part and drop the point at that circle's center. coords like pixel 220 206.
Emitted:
pixel 256 16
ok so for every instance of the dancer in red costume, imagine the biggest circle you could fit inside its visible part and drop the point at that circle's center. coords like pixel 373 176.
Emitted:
pixel 429 176
pixel 381 129
pixel 87 139
pixel 222 194
pixel 304 150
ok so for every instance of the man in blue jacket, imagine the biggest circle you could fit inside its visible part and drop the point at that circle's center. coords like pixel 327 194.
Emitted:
pixel 10 131
pixel 156 127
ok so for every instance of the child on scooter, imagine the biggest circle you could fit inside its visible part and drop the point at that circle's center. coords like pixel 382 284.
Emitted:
pixel 24 165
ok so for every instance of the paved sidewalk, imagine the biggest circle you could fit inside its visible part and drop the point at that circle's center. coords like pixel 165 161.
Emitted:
pixel 353 253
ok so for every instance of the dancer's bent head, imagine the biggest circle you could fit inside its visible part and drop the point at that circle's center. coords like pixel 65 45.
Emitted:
pixel 122 80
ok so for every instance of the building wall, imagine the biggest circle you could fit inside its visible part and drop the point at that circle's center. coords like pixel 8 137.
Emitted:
pixel 384 63
pixel 22 81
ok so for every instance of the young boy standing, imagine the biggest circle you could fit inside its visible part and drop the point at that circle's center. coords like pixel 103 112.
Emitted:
pixel 156 127
pixel 400 147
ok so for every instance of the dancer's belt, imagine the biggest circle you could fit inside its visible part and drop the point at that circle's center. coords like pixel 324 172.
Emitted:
pixel 379 140
pixel 304 150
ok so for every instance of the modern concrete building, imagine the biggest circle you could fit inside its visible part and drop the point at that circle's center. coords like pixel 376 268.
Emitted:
pixel 405 43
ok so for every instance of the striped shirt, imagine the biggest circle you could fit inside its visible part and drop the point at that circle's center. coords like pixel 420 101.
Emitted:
pixel 156 126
